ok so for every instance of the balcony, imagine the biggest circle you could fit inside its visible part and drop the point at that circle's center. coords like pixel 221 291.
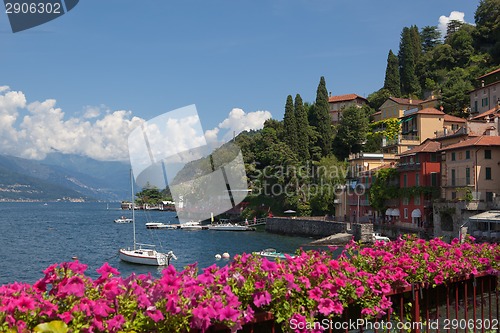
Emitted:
pixel 446 132
pixel 409 166
pixel 458 182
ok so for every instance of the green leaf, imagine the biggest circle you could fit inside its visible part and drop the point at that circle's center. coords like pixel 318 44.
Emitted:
pixel 55 326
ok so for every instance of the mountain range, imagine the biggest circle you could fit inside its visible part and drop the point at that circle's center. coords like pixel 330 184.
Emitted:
pixel 63 177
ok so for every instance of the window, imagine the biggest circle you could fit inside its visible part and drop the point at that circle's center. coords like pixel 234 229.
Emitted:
pixel 406 213
pixel 484 101
pixel 467 176
pixel 405 182
pixel 475 106
pixel 467 154
pixel 417 179
pixel 434 179
pixel 453 195
pixel 453 179
pixel 416 200
pixel 406 201
pixel 433 157
pixel 487 154
pixel 488 173
pixel 489 196
pixel 452 156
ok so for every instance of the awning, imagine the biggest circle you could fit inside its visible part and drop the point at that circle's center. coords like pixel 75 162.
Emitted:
pixel 395 212
pixel 416 213
pixel 388 212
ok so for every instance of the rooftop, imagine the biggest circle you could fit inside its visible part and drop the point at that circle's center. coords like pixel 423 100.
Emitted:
pixel 483 140
pixel 344 98
pixel 490 73
pixel 428 146
pixel 406 101
pixel 453 119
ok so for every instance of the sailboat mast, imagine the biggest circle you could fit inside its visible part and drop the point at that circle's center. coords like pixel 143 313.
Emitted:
pixel 133 202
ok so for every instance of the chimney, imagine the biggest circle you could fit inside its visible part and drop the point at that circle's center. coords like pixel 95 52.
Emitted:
pixel 410 100
pixel 330 94
pixel 441 108
pixel 482 83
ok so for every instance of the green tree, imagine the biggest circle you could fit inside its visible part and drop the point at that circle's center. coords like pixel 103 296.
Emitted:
pixel 455 96
pixel 463 45
pixel 377 98
pixel 383 188
pixel 407 64
pixel 320 119
pixel 416 42
pixel 430 37
pixel 452 27
pixel 392 82
pixel 352 130
pixel 302 129
pixel 487 35
pixel 290 124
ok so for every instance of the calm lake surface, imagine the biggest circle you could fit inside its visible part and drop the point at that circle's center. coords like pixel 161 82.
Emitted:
pixel 34 236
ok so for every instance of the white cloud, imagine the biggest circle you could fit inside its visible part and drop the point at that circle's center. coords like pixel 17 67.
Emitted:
pixel 31 129
pixel 44 128
pixel 444 20
pixel 239 121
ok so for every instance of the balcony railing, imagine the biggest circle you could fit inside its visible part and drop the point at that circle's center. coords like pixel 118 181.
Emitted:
pixel 409 166
pixel 410 138
pixel 458 182
pixel 447 132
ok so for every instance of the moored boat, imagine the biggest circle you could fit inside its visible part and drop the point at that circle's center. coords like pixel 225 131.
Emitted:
pixel 272 253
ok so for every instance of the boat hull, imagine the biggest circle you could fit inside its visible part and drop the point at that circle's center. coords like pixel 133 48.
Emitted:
pixel 144 257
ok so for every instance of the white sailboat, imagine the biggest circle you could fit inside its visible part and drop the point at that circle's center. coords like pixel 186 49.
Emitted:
pixel 144 254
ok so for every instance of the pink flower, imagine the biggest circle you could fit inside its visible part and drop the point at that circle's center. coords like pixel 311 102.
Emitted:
pixel 155 314
pixel 106 270
pixel 438 279
pixel 262 298
pixel 228 313
pixel 25 304
pixel 74 286
pixel 115 323
pixel 360 291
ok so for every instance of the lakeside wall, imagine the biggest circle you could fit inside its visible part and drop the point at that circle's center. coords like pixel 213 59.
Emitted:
pixel 304 227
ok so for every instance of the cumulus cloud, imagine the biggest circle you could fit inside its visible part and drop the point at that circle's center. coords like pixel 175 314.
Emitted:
pixel 444 20
pixel 31 130
pixel 237 122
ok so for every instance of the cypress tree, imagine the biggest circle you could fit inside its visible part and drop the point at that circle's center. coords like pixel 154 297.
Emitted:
pixel 392 81
pixel 302 129
pixel 417 42
pixel 320 119
pixel 430 37
pixel 290 124
pixel 407 64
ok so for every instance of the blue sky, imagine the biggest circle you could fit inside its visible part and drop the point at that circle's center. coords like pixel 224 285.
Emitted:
pixel 149 57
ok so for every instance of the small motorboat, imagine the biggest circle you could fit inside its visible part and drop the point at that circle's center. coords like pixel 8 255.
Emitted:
pixel 124 219
pixel 272 253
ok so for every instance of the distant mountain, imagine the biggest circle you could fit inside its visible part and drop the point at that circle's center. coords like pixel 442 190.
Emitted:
pixel 63 177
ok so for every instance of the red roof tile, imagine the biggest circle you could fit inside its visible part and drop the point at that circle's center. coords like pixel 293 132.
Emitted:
pixel 431 111
pixel 488 74
pixel 483 140
pixel 342 98
pixel 428 146
pixel 453 119
pixel 486 113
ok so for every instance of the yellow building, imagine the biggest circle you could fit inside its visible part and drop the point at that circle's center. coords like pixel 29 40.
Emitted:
pixel 418 125
pixel 395 107
pixel 471 166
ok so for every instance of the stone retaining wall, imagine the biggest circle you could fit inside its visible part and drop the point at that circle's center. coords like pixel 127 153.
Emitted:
pixel 304 227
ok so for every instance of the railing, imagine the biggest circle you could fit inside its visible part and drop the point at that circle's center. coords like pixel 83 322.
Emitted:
pixel 458 182
pixel 447 132
pixel 409 166
pixel 410 138
pixel 469 304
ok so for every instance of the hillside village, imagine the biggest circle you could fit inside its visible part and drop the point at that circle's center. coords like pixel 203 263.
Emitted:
pixel 444 171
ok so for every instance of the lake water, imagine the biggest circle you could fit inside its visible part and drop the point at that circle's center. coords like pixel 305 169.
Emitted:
pixel 34 236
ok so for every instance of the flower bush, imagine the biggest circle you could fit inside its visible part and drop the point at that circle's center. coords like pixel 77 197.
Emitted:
pixel 309 286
